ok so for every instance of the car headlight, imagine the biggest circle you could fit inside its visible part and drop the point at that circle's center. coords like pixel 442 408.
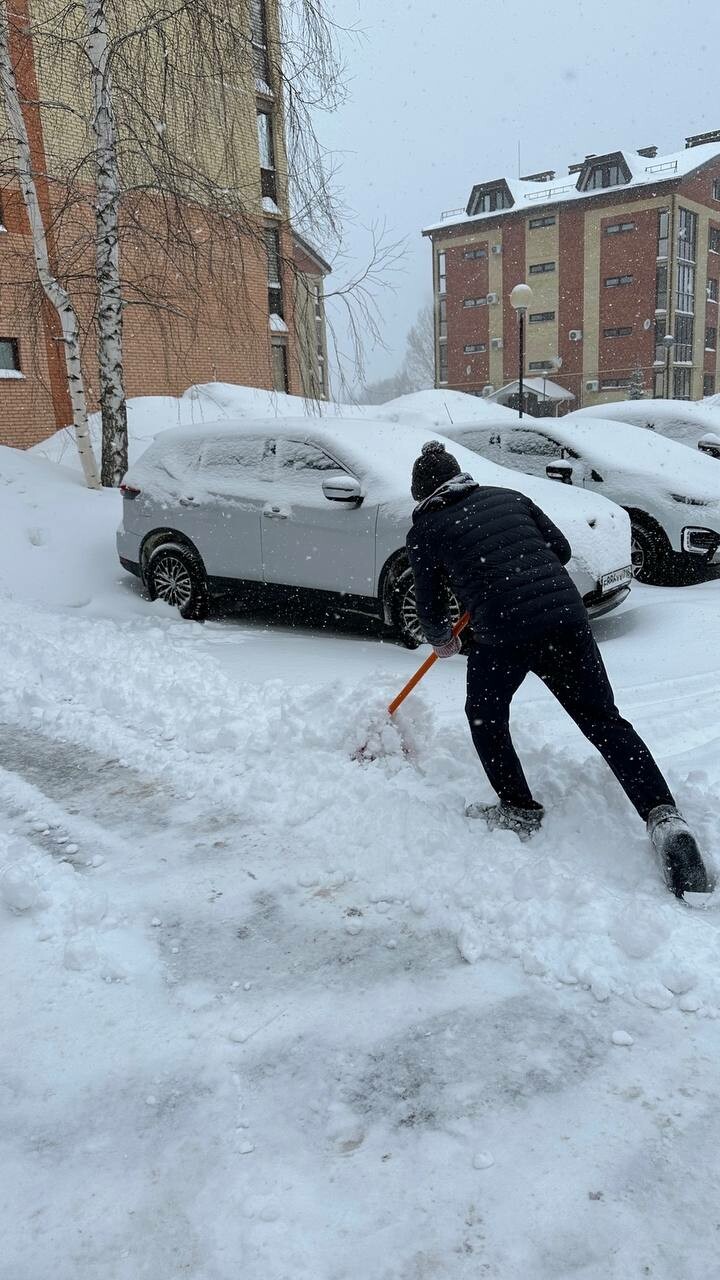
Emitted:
pixel 690 502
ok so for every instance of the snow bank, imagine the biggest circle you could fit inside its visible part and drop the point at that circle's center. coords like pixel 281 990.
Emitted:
pixel 58 538
pixel 211 401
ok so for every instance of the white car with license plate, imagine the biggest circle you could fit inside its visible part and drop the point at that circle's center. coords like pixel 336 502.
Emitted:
pixel 671 493
pixel 297 508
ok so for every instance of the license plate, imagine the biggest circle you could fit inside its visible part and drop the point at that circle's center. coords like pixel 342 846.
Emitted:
pixel 615 579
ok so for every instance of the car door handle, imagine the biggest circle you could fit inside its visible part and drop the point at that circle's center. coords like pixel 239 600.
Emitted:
pixel 274 513
pixel 188 502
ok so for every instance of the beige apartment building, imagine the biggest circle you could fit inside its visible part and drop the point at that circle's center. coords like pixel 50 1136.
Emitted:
pixel 254 311
pixel 623 257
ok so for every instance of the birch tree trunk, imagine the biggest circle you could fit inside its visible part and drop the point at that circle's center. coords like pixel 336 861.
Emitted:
pixel 55 292
pixel 107 250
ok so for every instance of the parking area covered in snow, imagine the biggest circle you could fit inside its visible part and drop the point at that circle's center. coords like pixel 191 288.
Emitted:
pixel 280 1014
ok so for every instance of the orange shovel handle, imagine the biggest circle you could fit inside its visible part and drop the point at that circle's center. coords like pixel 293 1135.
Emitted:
pixel 460 625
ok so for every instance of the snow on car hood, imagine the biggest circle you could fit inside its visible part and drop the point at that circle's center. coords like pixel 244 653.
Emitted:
pixel 633 456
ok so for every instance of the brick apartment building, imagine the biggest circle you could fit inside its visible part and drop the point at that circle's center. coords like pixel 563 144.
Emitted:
pixel 620 253
pixel 277 335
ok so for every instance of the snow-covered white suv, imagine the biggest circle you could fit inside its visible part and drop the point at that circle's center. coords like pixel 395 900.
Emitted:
pixel 299 506
pixel 671 493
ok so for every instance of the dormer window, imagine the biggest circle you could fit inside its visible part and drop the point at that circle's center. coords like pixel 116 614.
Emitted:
pixel 603 171
pixel 489 197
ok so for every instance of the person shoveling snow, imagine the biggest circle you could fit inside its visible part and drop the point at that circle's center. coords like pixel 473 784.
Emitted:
pixel 505 560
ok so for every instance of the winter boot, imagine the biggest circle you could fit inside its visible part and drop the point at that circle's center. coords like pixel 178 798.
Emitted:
pixel 677 849
pixel 507 817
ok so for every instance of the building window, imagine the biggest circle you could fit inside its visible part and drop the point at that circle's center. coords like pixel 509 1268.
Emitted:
pixel 682 380
pixel 684 332
pixel 540 366
pixel 491 201
pixel 442 318
pixel 275 292
pixel 280 367
pixel 470 254
pixel 614 384
pixel 443 371
pixel 541 268
pixel 266 147
pixel 536 223
pixel 540 317
pixel 9 355
pixel 712 290
pixel 622 331
pixel 686 287
pixel 716 189
pixel 442 272
pixel 687 236
pixel 474 348
pixel 474 302
pixel 618 228
pixel 714 242
pixel 661 287
pixel 605 175
pixel 259 40
pixel 613 282
pixel 711 338
pixel 660 348
pixel 663 233
pixel 709 384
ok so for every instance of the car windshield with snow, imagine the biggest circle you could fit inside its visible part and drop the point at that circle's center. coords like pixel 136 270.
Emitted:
pixel 685 421
pixel 290 508
pixel 671 494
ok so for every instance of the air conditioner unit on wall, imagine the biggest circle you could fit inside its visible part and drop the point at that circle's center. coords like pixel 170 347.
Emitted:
pixel 496 344
pixel 491 298
pixel 576 335
pixel 497 248
pixel 592 385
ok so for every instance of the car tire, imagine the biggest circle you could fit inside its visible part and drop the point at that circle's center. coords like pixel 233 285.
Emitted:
pixel 175 574
pixel 650 553
pixel 406 622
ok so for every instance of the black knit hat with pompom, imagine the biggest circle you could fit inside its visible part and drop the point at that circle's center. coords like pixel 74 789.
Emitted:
pixel 434 467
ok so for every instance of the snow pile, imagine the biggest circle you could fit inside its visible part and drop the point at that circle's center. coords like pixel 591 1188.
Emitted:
pixel 213 401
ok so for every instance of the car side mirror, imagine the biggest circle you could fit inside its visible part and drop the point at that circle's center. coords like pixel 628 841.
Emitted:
pixel 560 470
pixel 342 488
pixel 710 445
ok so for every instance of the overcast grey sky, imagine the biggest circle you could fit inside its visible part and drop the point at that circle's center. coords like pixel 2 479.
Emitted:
pixel 442 91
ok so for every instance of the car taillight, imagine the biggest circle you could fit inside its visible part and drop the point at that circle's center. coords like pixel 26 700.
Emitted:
pixel 129 491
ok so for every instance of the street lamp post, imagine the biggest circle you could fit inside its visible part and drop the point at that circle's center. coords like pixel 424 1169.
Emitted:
pixel 668 343
pixel 520 300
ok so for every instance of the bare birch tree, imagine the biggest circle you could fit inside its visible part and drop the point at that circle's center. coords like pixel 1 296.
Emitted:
pixel 109 315
pixel 158 191
pixel 55 292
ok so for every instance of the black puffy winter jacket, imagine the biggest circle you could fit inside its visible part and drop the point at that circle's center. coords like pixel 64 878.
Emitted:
pixel 502 557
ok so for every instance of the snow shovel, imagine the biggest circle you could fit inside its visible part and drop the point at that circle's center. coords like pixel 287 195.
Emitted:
pixel 460 625
pixel 363 753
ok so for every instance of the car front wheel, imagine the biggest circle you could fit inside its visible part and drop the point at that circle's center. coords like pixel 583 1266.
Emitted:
pixel 649 554
pixel 404 611
pixel 175 574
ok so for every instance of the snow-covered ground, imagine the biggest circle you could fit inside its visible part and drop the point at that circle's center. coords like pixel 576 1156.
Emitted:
pixel 269 1012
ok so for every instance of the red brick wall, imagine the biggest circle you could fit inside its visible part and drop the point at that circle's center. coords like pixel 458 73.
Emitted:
pixel 213 327
pixel 467 278
pixel 631 253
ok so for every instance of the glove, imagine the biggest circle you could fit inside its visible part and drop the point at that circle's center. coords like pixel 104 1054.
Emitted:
pixel 449 649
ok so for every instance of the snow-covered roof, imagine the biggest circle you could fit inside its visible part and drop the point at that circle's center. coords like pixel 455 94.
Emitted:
pixel 645 171
pixel 545 388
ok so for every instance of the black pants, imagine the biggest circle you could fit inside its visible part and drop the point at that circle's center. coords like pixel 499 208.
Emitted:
pixel 568 661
